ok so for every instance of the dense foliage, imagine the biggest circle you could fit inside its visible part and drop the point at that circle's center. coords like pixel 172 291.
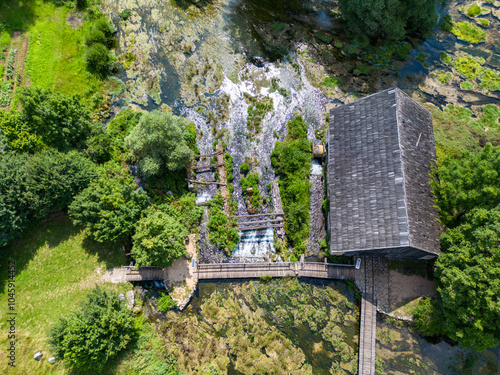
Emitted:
pixel 159 143
pixel 254 199
pixel 159 239
pixel 468 270
pixel 32 186
pixel 393 20
pixel 223 230
pixel 111 206
pixel 98 41
pixel 470 182
pixel 48 119
pixel 90 336
pixel 292 162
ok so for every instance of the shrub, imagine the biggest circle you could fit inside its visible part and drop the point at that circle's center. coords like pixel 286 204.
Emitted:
pixel 466 85
pixel 444 78
pixel 266 278
pixel 99 60
pixel 124 15
pixel 445 58
pixel 244 168
pixel 222 230
pixel 95 36
pixel 484 22
pixel 165 302
pixel 332 82
pixel 90 336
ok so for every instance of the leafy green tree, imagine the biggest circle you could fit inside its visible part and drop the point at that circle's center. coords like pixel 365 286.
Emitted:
pixel 14 196
pixel 61 121
pixel 99 60
pixel 111 206
pixel 100 147
pixel 4 143
pixel 19 136
pixel 31 186
pixel 428 318
pixel 90 336
pixel 472 181
pixel 54 178
pixel 292 162
pixel 390 20
pixel 468 273
pixel 121 126
pixel 159 143
pixel 159 239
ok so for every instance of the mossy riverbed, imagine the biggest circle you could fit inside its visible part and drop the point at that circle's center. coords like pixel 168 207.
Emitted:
pixel 257 327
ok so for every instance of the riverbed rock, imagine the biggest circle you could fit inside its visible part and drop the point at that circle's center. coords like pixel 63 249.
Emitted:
pixel 38 356
pixel 52 360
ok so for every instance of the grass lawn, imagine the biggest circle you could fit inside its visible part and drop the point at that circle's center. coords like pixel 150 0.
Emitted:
pixel 55 54
pixel 56 267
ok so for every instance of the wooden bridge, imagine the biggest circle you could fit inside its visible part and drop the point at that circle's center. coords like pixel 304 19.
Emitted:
pixel 365 280
pixel 256 270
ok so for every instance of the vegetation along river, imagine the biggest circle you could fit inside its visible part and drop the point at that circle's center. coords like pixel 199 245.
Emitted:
pixel 212 61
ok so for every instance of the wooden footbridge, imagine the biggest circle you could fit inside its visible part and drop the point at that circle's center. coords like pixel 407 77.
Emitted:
pixel 318 270
pixel 255 270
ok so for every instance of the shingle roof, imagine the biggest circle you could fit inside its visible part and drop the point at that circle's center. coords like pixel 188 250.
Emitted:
pixel 379 154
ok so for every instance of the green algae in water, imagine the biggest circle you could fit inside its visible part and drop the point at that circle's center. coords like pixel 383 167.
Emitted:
pixel 468 32
pixel 282 326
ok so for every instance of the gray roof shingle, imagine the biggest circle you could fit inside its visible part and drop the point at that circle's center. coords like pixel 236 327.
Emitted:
pixel 379 155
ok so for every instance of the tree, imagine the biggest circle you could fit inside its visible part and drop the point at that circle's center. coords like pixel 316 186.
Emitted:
pixel 159 239
pixel 14 197
pixel 460 185
pixel 60 121
pixel 90 336
pixel 468 273
pixel 392 20
pixel 110 207
pixel 32 186
pixel 159 143
pixel 19 136
pixel 54 178
pixel 99 60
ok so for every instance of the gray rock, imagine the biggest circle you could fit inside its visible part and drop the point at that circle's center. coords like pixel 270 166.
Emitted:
pixel 38 356
pixel 121 296
pixel 130 299
pixel 52 360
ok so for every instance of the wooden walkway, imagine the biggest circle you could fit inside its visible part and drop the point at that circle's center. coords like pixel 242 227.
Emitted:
pixel 144 274
pixel 368 322
pixel 256 270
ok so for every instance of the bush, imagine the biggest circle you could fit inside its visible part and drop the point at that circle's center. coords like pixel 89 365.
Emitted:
pixel 292 162
pixel 124 15
pixel 244 168
pixel 332 82
pixel 222 230
pixel 165 302
pixel 95 36
pixel 90 336
pixel 99 60
pixel 427 318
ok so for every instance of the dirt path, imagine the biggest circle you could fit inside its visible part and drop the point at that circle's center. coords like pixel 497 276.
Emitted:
pixel 20 59
pixel 181 278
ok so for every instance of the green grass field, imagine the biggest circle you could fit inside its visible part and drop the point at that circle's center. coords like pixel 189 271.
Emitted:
pixel 55 54
pixel 56 267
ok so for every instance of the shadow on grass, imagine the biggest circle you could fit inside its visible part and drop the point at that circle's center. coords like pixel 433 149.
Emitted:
pixel 110 253
pixel 18 15
pixel 52 231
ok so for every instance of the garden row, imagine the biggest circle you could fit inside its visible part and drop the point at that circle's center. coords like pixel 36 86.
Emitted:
pixel 12 57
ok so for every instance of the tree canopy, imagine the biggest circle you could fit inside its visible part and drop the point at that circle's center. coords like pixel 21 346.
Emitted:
pixel 390 20
pixel 101 328
pixel 463 184
pixel 159 239
pixel 32 186
pixel 468 271
pixel 111 206
pixel 159 143
pixel 467 194
pixel 60 121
